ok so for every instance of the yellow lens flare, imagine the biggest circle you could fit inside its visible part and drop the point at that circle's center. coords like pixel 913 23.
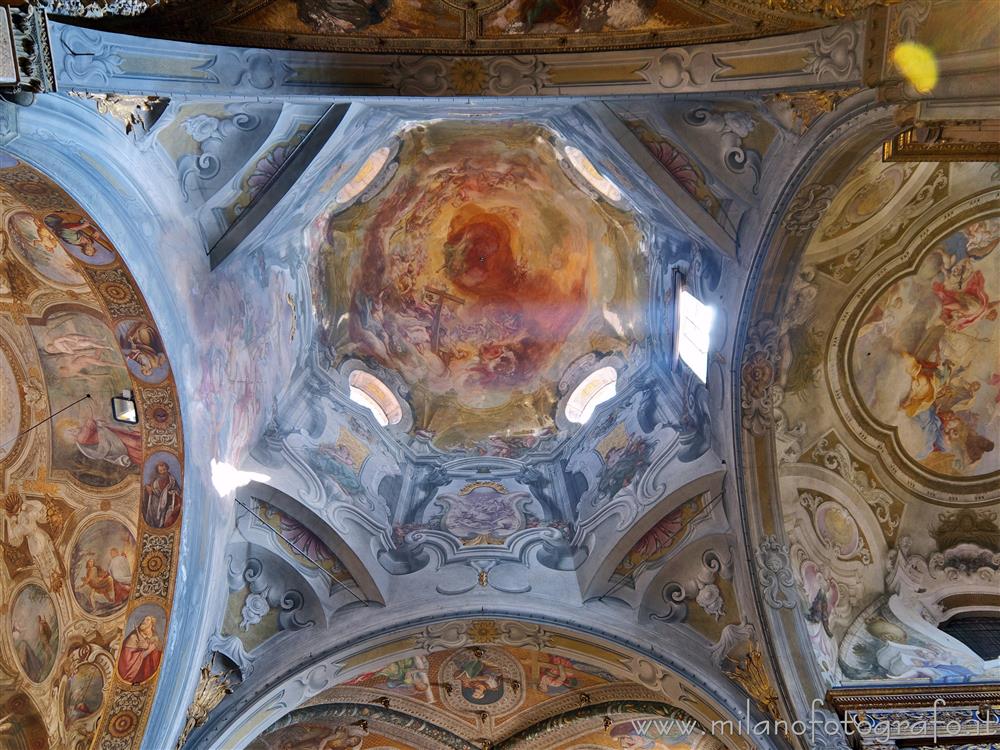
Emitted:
pixel 917 63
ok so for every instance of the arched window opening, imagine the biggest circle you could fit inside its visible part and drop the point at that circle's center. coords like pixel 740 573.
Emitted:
pixel 593 390
pixel 374 395
pixel 980 631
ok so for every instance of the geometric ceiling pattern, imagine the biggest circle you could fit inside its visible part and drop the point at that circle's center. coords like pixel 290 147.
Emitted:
pixel 451 474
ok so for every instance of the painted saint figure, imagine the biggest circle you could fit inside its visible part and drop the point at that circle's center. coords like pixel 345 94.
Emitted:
pixel 141 652
pixel 481 682
pixel 142 345
pixel 79 232
pixel 161 503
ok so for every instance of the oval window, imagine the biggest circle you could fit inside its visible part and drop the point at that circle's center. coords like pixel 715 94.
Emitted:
pixel 374 395
pixel 589 172
pixel 593 390
pixel 364 176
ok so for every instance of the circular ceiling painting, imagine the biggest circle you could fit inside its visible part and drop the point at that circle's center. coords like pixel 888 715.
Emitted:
pixel 479 273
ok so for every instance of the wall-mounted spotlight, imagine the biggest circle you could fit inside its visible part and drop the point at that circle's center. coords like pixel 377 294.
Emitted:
pixel 123 408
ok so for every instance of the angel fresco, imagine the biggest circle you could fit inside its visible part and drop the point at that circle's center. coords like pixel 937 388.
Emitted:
pixel 40 250
pixel 80 236
pixel 557 674
pixel 409 675
pixel 937 329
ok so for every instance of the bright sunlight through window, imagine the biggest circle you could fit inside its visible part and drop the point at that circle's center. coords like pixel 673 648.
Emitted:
pixel 593 391
pixel 694 326
pixel 375 396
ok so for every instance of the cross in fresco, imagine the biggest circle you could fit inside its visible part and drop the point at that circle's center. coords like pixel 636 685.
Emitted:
pixel 441 295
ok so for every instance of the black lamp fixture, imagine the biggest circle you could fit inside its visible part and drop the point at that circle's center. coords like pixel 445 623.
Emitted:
pixel 123 408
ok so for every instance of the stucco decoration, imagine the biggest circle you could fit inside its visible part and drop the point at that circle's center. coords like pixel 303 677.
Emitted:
pixel 91 507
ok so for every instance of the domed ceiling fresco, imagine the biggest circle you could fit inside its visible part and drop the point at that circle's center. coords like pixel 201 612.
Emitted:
pixel 480 272
pixel 91 507
pixel 881 360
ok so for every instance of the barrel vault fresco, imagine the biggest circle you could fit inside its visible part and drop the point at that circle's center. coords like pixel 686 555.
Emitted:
pixel 878 356
pixel 554 692
pixel 91 507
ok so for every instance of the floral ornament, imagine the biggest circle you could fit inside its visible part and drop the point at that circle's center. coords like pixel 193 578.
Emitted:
pixel 467 76
pixel 254 609
pixel 807 210
pixel 774 574
pixel 266 168
pixel 758 392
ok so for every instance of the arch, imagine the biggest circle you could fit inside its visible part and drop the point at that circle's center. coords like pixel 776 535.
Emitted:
pixel 684 483
pixel 659 677
pixel 66 137
pixel 93 510
pixel 786 437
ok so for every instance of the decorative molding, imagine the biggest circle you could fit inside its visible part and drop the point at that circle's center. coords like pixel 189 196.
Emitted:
pixel 759 393
pixel 937 142
pixel 88 60
pixel 131 111
pixel 808 208
pixel 212 688
pixel 25 56
pixel 750 673
pixel 702 589
pixel 806 107
pixel 774 574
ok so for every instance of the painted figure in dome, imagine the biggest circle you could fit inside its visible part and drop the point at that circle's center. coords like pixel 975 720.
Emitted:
pixel 161 498
pixel 141 652
pixel 101 441
pixel 77 231
pixel 98 581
